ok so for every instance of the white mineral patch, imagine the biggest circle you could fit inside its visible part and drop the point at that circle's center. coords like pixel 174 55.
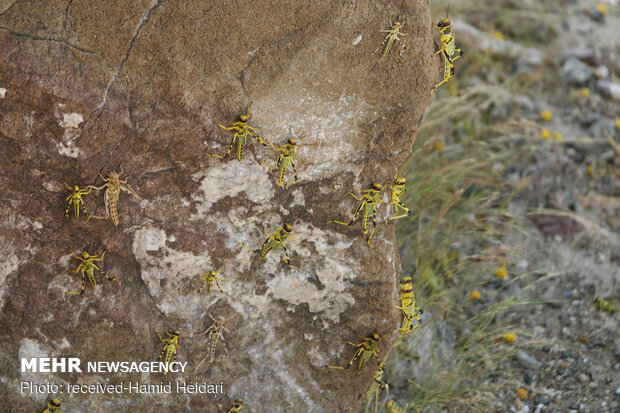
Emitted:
pixel 231 179
pixel 29 349
pixel 332 139
pixel 328 264
pixel 71 120
pixel 298 198
pixel 356 41
pixel 2 92
pixel 70 123
pixel 172 268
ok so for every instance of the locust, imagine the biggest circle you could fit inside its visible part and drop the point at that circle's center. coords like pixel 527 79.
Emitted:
pixel 237 406
pixel 75 200
pixel 87 268
pixel 365 350
pixel 370 201
pixel 606 305
pixel 209 279
pixel 398 189
pixel 376 386
pixel 284 160
pixel 392 407
pixel 391 37
pixel 448 50
pixel 169 352
pixel 53 406
pixel 243 131
pixel 411 312
pixel 275 239
pixel 216 333
pixel 113 186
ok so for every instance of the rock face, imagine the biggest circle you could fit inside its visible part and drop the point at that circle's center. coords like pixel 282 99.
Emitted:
pixel 90 86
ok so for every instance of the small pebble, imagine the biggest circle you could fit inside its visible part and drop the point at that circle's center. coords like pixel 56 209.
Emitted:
pixel 609 89
pixel 575 71
pixel 602 72
pixel 528 378
pixel 541 399
pixel 527 361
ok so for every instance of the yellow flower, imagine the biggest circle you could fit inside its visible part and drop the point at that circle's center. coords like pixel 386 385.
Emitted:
pixel 521 393
pixel 584 92
pixel 557 136
pixel 590 170
pixel 546 135
pixel 509 337
pixel 617 123
pixel 601 9
pixel 546 115
pixel 475 295
pixel 439 146
pixel 498 35
pixel 501 271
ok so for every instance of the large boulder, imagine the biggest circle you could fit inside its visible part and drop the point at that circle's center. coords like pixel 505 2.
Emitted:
pixel 88 87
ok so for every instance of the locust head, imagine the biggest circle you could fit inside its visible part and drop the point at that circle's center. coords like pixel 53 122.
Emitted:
pixel 54 403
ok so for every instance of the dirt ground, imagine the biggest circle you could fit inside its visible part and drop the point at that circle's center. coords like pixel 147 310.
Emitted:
pixel 564 249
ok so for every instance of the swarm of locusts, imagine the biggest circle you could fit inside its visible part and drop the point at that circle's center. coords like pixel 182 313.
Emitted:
pixel 367 203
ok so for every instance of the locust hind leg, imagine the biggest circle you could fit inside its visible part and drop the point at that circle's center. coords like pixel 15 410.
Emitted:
pixel 448 72
pixel 230 147
pixel 294 174
pixel 374 226
pixel 105 275
pixel 83 286
pixel 83 208
pixel 397 205
pixel 67 210
pixel 106 201
pixel 285 259
pixel 357 212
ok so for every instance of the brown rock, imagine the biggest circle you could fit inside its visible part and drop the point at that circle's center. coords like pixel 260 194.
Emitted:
pixel 145 84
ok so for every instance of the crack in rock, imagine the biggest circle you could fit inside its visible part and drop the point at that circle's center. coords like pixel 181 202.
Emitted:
pixel 136 32
pixel 47 39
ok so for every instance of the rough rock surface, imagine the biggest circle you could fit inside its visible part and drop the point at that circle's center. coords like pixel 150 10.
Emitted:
pixel 90 86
